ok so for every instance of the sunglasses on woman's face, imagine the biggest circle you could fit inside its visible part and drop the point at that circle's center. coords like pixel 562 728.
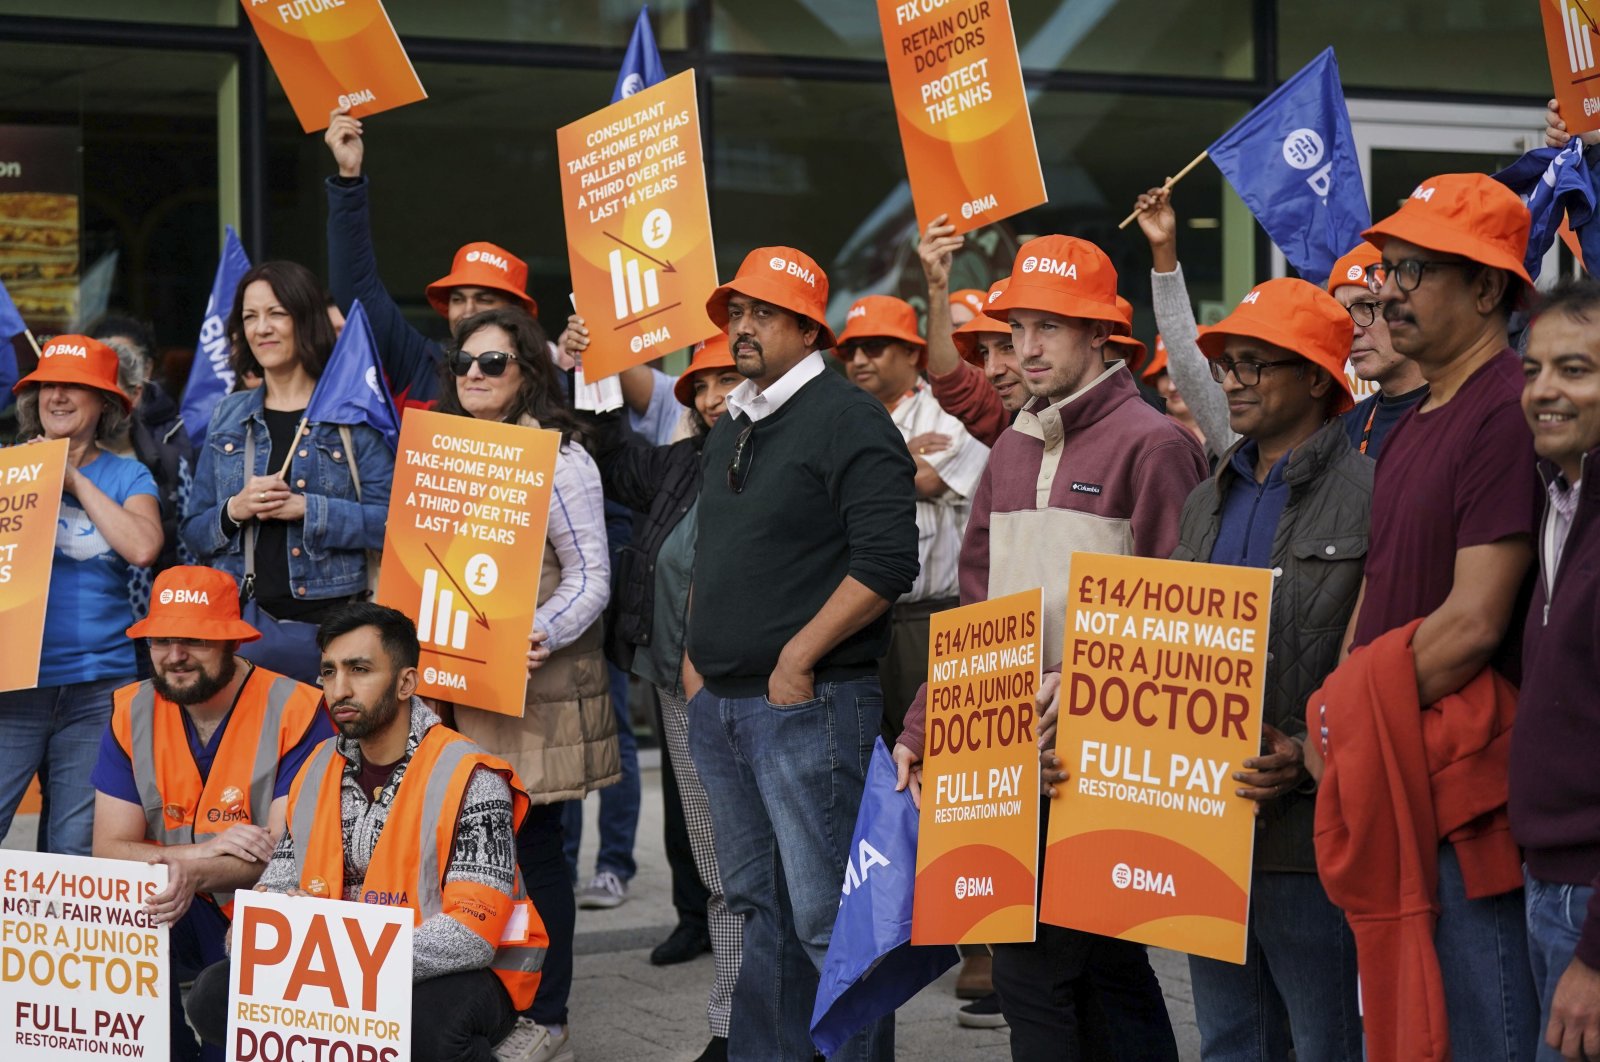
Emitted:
pixel 490 362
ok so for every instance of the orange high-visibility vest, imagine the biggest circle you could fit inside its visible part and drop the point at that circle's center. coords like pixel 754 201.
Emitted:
pixel 412 856
pixel 270 717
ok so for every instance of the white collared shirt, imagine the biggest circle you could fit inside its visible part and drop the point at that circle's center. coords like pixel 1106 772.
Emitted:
pixel 758 405
pixel 941 521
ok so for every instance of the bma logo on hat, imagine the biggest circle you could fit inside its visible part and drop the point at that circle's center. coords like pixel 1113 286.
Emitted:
pixel 1250 299
pixel 1423 193
pixel 67 350
pixel 182 596
pixel 1303 148
pixel 993 295
pixel 1355 273
pixel 779 264
pixel 1053 266
pixel 858 310
pixel 490 259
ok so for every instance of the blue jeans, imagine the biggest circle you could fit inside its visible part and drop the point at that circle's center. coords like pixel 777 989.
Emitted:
pixel 59 727
pixel 1488 982
pixel 1297 985
pixel 1555 920
pixel 785 783
pixel 619 804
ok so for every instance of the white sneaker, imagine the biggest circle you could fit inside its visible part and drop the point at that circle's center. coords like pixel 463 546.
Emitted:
pixel 605 890
pixel 529 1041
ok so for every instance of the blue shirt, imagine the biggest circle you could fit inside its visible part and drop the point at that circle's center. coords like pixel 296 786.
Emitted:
pixel 113 772
pixel 1374 415
pixel 660 418
pixel 89 609
pixel 1251 511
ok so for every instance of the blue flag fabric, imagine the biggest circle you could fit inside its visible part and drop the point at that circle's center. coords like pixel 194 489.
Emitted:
pixel 211 375
pixel 641 65
pixel 1555 183
pixel 352 388
pixel 871 968
pixel 11 326
pixel 1293 161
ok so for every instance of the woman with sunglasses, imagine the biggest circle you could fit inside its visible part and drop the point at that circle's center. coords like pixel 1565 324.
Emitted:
pixel 663 484
pixel 565 743
pixel 289 512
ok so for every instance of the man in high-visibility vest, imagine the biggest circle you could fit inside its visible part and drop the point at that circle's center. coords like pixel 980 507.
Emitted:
pixel 359 805
pixel 195 767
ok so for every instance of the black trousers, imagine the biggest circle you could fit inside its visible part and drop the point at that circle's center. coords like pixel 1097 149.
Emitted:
pixel 543 862
pixel 455 1018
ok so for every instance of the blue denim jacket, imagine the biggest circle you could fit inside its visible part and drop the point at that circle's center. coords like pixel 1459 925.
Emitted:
pixel 327 555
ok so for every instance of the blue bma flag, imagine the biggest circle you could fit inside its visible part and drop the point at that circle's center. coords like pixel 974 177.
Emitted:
pixel 1293 161
pixel 11 326
pixel 871 966
pixel 641 66
pixel 352 389
pixel 1556 184
pixel 211 375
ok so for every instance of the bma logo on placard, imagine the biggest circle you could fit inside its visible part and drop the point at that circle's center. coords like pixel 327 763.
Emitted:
pixel 1304 149
pixel 1141 880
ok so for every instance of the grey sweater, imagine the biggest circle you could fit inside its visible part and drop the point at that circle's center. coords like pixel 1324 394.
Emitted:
pixel 485 851
pixel 1190 371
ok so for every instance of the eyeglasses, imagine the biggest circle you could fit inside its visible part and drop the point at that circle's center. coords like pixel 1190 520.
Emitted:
pixel 1248 373
pixel 1365 314
pixel 1408 272
pixel 872 348
pixel 490 362
pixel 744 455
pixel 164 644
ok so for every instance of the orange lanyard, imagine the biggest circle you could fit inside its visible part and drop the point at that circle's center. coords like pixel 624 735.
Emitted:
pixel 1366 432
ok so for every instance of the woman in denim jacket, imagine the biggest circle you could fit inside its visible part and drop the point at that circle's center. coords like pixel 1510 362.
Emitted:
pixel 311 527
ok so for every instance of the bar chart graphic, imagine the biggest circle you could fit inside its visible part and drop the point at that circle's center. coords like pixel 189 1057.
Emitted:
pixel 634 289
pixel 438 620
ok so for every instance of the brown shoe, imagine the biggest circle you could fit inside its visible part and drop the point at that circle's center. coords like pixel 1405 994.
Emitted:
pixel 976 978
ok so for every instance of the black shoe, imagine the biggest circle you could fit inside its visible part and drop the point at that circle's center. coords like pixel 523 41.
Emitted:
pixel 716 1050
pixel 685 943
pixel 982 1013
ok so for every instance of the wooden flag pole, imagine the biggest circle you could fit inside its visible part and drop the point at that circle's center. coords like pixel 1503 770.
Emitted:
pixel 1174 179
pixel 34 343
pixel 298 431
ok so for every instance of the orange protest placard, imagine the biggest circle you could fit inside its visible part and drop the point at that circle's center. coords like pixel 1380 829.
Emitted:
pixel 1572 39
pixel 30 503
pixel 633 189
pixel 334 53
pixel 467 518
pixel 963 109
pixel 1161 689
pixel 978 837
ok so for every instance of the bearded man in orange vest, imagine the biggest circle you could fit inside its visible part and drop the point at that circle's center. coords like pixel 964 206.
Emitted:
pixel 194 770
pixel 355 812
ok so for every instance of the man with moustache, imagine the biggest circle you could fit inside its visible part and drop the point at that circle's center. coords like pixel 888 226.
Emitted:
pixel 478 943
pixel 1087 466
pixel 1372 356
pixel 1555 789
pixel 194 770
pixel 808 533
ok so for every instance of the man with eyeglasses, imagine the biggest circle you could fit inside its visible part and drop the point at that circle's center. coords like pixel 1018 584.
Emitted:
pixel 1456 502
pixel 1294 496
pixel 808 533
pixel 1087 465
pixel 194 771
pixel 1372 356
pixel 884 354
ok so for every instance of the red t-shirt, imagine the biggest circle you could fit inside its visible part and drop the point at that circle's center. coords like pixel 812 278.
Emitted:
pixel 1448 479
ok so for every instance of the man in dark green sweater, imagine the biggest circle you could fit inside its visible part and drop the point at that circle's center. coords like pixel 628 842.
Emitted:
pixel 807 535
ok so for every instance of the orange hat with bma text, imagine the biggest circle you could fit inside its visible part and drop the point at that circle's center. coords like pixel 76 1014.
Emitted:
pixel 971 298
pixel 1297 316
pixel 1469 214
pixel 189 601
pixel 1065 276
pixel 1354 269
pixel 781 276
pixel 483 265
pixel 883 317
pixel 966 336
pixel 713 353
pixel 80 361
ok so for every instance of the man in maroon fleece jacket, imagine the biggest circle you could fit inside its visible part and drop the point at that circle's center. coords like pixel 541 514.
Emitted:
pixel 1555 784
pixel 1086 466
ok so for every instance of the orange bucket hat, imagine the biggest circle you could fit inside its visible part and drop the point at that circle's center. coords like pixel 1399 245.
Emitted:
pixel 966 337
pixel 74 359
pixel 1121 341
pixel 483 265
pixel 1352 269
pixel 1297 316
pixel 883 317
pixel 971 298
pixel 713 353
pixel 1469 214
pixel 1063 275
pixel 1158 362
pixel 783 277
pixel 189 601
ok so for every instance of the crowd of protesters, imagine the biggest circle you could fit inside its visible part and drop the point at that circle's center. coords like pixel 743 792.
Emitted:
pixel 762 542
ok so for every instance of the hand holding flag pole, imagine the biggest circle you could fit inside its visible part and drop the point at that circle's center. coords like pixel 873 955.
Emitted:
pixel 1174 179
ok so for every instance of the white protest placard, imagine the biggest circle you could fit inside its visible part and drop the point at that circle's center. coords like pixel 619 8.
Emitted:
pixel 316 978
pixel 83 969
